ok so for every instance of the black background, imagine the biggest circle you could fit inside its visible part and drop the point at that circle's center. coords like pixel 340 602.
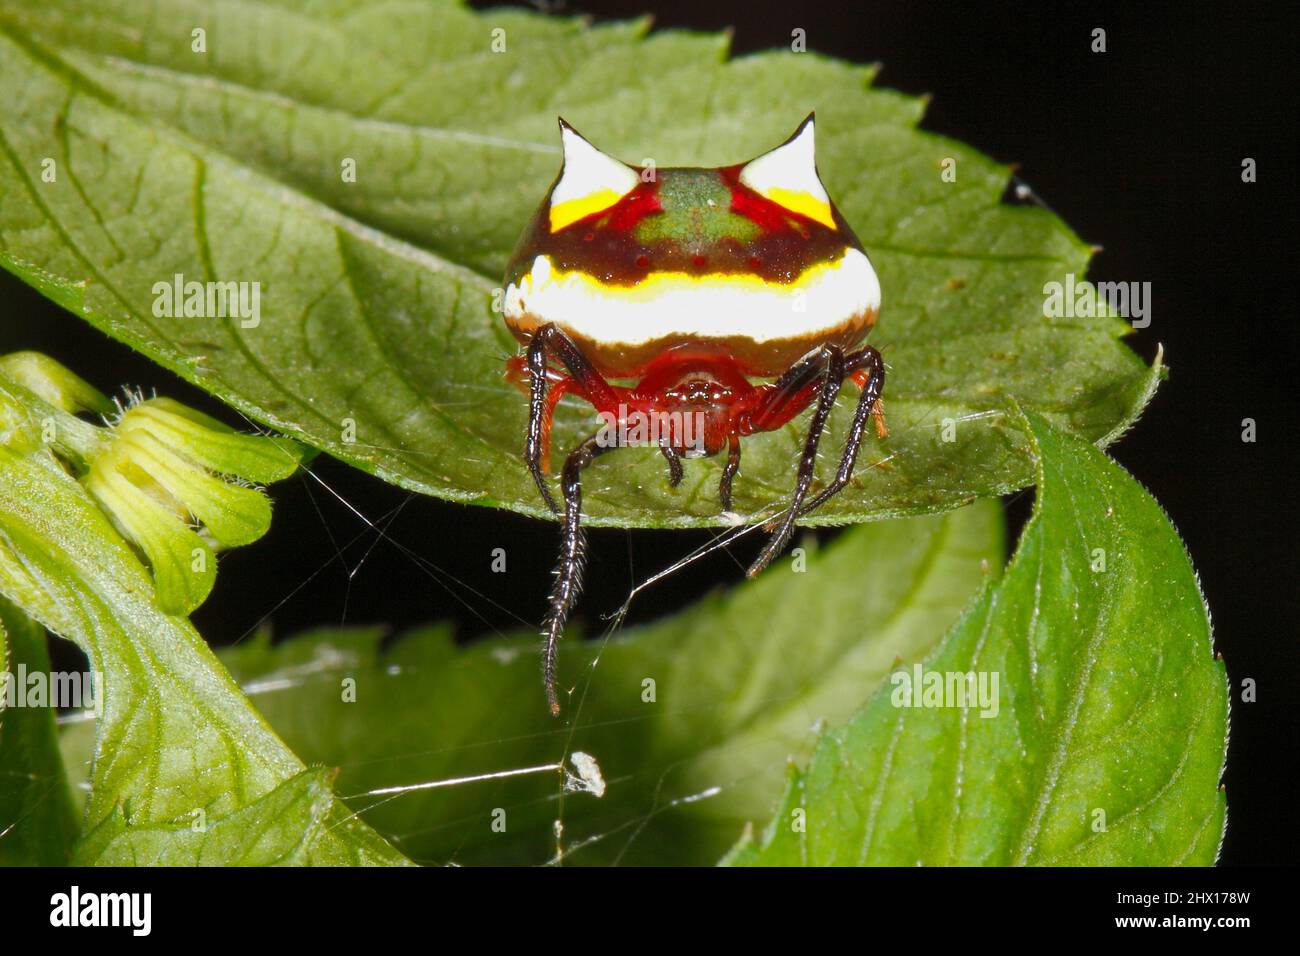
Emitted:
pixel 1139 149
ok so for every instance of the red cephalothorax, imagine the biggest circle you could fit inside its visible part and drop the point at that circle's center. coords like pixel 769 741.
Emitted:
pixel 691 282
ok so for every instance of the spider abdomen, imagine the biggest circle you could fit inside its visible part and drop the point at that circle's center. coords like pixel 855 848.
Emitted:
pixel 764 325
pixel 752 261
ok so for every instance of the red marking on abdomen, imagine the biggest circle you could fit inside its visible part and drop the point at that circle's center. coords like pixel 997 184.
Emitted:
pixel 767 215
pixel 635 206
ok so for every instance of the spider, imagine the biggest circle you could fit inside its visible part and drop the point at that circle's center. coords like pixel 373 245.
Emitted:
pixel 688 283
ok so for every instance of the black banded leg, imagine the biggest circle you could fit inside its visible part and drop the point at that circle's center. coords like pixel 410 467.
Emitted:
pixel 550 340
pixel 729 472
pixel 536 414
pixel 869 359
pixel 833 360
pixel 674 460
pixel 573 549
pixel 795 379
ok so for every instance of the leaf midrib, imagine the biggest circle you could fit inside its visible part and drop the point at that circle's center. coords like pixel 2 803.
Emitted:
pixel 1064 731
pixel 203 156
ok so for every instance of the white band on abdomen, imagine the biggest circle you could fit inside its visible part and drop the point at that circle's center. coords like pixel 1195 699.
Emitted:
pixel 666 305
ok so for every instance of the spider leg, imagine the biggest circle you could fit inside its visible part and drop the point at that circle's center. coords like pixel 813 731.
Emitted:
pixel 832 359
pixel 537 423
pixel 781 400
pixel 675 472
pixel 573 551
pixel 550 340
pixel 869 360
pixel 561 386
pixel 729 472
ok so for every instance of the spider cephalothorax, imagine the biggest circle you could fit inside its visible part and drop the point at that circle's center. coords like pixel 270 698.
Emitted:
pixel 690 283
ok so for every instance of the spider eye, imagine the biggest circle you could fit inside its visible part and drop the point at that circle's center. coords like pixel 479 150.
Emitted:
pixel 589 182
pixel 788 176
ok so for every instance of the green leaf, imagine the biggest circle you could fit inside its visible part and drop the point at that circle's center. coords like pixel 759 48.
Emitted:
pixel 376 295
pixel 177 741
pixel 741 682
pixel 278 829
pixel 1108 743
pixel 37 821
